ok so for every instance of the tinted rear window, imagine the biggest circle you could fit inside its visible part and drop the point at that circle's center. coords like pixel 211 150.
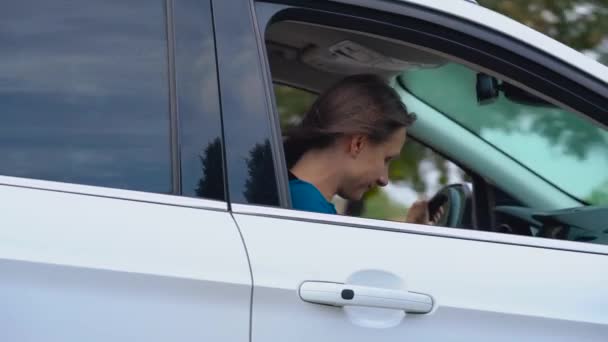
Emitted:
pixel 83 93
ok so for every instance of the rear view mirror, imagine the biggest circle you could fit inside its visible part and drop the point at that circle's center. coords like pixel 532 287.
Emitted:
pixel 488 90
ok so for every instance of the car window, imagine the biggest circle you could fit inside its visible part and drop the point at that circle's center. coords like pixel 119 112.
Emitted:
pixel 535 166
pixel 558 145
pixel 83 93
pixel 198 101
pixel 249 133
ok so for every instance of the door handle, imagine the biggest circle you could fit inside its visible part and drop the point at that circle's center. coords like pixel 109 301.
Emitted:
pixel 337 294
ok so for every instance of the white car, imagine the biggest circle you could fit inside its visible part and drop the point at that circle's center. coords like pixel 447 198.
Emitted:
pixel 144 188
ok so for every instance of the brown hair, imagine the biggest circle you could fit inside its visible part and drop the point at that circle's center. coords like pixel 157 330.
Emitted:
pixel 359 104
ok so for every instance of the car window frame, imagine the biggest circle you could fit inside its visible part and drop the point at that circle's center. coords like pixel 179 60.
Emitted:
pixel 269 13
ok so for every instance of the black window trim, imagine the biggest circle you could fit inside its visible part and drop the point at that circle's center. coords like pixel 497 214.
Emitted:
pixel 175 147
pixel 221 113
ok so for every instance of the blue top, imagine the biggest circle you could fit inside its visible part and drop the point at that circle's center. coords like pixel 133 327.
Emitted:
pixel 305 196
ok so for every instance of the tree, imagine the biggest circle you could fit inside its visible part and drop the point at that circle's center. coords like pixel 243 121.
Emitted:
pixel 211 184
pixel 580 24
pixel 600 195
pixel 260 187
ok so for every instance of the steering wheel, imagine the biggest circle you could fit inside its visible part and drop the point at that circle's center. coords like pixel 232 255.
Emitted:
pixel 454 200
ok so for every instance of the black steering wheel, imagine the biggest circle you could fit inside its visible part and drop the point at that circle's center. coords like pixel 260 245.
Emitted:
pixel 455 199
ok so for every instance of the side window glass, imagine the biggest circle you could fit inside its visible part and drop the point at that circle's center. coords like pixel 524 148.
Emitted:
pixel 250 158
pixel 83 93
pixel 198 101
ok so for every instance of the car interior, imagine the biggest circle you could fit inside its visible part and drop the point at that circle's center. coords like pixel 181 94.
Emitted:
pixel 490 195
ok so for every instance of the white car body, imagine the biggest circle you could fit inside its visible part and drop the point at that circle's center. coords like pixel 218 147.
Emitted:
pixel 86 263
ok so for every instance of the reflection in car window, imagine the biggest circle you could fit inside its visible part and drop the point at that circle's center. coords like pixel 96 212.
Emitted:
pixel 558 145
pixel 83 93
pixel 249 157
pixel 197 92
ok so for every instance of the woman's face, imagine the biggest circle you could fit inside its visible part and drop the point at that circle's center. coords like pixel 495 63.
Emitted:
pixel 367 164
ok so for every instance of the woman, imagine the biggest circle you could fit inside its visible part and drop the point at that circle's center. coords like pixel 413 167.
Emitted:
pixel 345 143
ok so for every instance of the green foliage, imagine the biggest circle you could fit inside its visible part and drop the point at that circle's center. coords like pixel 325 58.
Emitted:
pixel 379 206
pixel 211 185
pixel 259 187
pixel 580 24
pixel 599 196
pixel 292 104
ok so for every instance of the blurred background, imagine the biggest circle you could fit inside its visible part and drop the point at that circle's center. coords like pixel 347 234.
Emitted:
pixel 419 172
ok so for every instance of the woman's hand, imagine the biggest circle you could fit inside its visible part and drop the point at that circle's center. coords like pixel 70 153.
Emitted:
pixel 419 213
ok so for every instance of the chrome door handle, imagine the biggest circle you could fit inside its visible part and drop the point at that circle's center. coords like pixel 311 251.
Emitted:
pixel 337 294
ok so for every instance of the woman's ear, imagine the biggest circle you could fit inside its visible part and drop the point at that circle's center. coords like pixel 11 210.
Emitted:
pixel 356 145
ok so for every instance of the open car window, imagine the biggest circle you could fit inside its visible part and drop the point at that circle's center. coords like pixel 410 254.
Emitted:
pixel 533 167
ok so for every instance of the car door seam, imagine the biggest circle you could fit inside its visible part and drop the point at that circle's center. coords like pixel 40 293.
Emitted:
pixel 238 228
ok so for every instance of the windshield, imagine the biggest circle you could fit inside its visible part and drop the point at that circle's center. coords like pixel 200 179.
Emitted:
pixel 558 145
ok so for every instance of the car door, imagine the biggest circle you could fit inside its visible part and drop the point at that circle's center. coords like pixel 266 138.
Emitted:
pixel 114 223
pixel 82 263
pixel 326 278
